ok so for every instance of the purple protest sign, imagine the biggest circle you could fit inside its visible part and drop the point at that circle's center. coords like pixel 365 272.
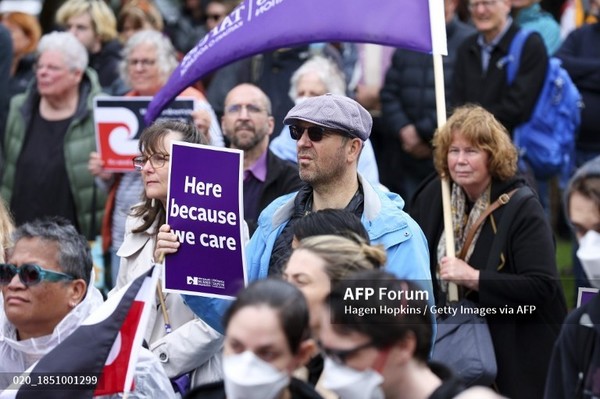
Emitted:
pixel 257 26
pixel 204 209
pixel 585 294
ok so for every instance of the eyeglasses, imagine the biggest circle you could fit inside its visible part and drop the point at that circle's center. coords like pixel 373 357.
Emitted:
pixel 145 62
pixel 341 355
pixel 315 133
pixel 487 4
pixel 30 274
pixel 49 67
pixel 157 160
pixel 237 108
pixel 214 17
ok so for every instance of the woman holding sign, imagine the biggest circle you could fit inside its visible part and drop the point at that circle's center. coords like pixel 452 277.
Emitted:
pixel 185 345
pixel 505 248
pixel 148 60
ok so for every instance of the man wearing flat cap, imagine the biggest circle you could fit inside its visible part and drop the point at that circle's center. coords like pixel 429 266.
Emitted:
pixel 330 131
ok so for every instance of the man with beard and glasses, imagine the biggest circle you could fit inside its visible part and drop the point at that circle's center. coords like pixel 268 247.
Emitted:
pixel 247 123
pixel 330 131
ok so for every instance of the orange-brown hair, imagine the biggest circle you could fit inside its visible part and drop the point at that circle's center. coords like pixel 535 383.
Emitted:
pixel 483 131
pixel 29 24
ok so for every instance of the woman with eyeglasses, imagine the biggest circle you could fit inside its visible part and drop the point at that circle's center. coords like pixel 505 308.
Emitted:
pixel 49 134
pixel 148 61
pixel 377 354
pixel 48 292
pixel 191 349
pixel 267 337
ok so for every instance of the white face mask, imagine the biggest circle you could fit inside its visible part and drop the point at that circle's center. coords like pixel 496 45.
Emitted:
pixel 589 255
pixel 300 100
pixel 249 377
pixel 349 383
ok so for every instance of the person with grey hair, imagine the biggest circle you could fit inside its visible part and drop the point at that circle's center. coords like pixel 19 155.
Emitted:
pixel 317 76
pixel 47 292
pixel 330 131
pixel 49 134
pixel 149 59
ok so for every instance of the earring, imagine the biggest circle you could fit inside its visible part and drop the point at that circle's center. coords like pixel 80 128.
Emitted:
pixel 72 304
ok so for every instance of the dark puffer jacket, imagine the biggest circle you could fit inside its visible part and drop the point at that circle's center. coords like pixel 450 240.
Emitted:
pixel 580 54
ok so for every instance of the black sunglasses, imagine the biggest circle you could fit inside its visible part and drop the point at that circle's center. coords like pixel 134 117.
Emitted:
pixel 315 133
pixel 341 355
pixel 30 274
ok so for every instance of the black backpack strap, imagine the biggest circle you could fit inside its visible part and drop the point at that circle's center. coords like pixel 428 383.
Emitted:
pixel 510 209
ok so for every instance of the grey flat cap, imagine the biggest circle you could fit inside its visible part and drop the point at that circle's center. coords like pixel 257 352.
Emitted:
pixel 334 112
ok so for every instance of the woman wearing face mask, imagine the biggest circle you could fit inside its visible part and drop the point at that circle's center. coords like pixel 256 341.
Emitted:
pixel 266 338
pixel 379 354
pixel 576 357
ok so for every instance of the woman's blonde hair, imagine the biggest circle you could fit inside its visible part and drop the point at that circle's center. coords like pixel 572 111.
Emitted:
pixel 6 229
pixel 102 16
pixel 342 255
pixel 483 131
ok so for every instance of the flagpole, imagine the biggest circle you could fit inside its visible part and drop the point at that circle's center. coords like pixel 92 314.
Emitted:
pixel 440 101
pixel 161 298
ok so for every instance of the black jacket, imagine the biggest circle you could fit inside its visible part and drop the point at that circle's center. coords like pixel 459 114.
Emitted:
pixel 408 97
pixel 106 63
pixel 511 105
pixel 216 390
pixel 528 276
pixel 577 350
pixel 580 54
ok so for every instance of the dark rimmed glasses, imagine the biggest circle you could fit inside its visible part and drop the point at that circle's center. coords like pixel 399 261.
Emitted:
pixel 341 355
pixel 315 133
pixel 30 274
pixel 487 4
pixel 144 62
pixel 157 160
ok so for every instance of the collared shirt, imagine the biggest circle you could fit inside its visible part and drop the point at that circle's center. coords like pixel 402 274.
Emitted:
pixel 254 182
pixel 258 169
pixel 487 48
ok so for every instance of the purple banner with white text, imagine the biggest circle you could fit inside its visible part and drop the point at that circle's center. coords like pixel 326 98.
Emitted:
pixel 256 26
pixel 204 210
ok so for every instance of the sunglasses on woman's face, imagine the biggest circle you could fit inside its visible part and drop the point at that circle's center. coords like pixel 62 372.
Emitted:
pixel 315 133
pixel 30 274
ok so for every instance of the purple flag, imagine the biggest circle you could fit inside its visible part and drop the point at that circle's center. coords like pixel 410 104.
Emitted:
pixel 204 211
pixel 256 26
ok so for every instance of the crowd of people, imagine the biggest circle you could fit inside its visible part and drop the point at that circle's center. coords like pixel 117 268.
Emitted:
pixel 344 167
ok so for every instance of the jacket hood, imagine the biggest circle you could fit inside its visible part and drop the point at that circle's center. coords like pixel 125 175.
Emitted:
pixel 589 169
pixel 34 348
